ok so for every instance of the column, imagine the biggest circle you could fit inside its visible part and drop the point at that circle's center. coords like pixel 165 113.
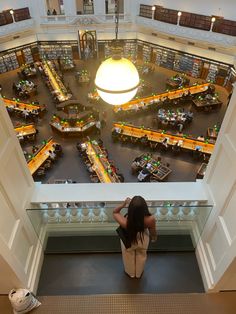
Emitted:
pixel 216 250
pixel 20 253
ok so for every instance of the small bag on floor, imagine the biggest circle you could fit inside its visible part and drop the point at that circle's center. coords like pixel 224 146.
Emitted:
pixel 22 301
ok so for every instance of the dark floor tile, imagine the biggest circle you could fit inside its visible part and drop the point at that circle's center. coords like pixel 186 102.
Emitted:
pixel 81 274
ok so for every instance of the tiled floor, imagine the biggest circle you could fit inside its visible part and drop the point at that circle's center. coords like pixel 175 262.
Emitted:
pixel 71 167
pixel 215 303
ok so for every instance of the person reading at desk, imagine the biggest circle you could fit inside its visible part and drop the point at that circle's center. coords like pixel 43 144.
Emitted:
pixel 144 140
pixel 144 175
pixel 34 149
pixel 135 166
pixel 165 142
pixel 200 138
pixel 52 155
pixel 25 113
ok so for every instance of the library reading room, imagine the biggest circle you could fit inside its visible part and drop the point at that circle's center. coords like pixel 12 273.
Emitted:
pixel 104 103
pixel 166 131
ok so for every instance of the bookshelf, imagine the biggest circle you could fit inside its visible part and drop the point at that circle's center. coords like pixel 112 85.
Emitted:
pixel 3 67
pixel 130 49
pixel 195 21
pixel 145 11
pixel 10 61
pixel 147 53
pixel 2 19
pixel 53 51
pixel 213 70
pixel 225 27
pixel 28 55
pixel 166 15
pixel 21 14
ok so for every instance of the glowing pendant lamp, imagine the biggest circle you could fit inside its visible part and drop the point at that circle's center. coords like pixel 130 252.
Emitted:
pixel 117 78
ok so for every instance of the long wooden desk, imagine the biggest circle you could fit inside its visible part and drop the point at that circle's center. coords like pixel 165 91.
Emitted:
pixel 25 130
pixel 146 101
pixel 100 163
pixel 155 136
pixel 41 155
pixel 20 106
pixel 55 81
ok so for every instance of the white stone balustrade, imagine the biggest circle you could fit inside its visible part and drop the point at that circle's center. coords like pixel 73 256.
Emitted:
pixel 16 27
pixel 186 32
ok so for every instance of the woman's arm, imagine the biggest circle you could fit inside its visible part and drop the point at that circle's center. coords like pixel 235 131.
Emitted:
pixel 152 229
pixel 122 221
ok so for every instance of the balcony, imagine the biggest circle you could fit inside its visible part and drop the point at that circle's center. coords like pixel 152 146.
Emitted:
pixel 76 209
pixel 83 19
pixel 186 32
pixel 16 27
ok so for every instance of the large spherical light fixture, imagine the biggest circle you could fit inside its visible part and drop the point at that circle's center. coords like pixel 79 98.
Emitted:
pixel 117 80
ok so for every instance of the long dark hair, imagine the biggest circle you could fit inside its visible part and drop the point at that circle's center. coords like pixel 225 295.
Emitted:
pixel 137 210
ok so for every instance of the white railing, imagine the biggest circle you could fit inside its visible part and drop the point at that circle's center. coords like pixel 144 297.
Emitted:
pixel 97 218
pixel 84 19
pixel 16 27
pixel 186 32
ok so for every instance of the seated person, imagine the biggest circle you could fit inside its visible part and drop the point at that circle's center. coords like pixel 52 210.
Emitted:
pixel 208 97
pixel 144 139
pixel 176 147
pixel 143 175
pixel 35 111
pixel 52 155
pixel 121 177
pixel 135 166
pixel 25 113
pixel 116 130
pixel 20 136
pixel 165 142
pixel 34 149
pixel 201 138
pixel 189 116
pixel 198 148
pixel 57 148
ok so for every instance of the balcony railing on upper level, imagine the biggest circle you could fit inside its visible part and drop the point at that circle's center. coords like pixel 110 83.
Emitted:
pixel 83 19
pixel 186 32
pixel 16 27
pixel 187 19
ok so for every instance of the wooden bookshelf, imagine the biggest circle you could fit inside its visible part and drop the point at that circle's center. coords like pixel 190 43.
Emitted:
pixel 225 27
pixel 21 14
pixel 145 11
pixel 3 20
pixel 195 21
pixel 166 15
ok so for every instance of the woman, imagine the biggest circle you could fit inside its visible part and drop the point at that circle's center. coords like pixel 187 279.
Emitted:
pixel 140 225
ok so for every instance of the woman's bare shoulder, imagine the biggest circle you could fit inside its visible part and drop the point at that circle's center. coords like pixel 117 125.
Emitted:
pixel 149 221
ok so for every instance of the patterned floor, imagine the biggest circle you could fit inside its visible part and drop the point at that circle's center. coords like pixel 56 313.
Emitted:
pixel 220 303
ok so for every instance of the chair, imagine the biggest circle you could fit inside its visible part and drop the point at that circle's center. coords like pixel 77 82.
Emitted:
pixel 154 179
pixel 47 164
pixel 40 172
pixel 94 178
